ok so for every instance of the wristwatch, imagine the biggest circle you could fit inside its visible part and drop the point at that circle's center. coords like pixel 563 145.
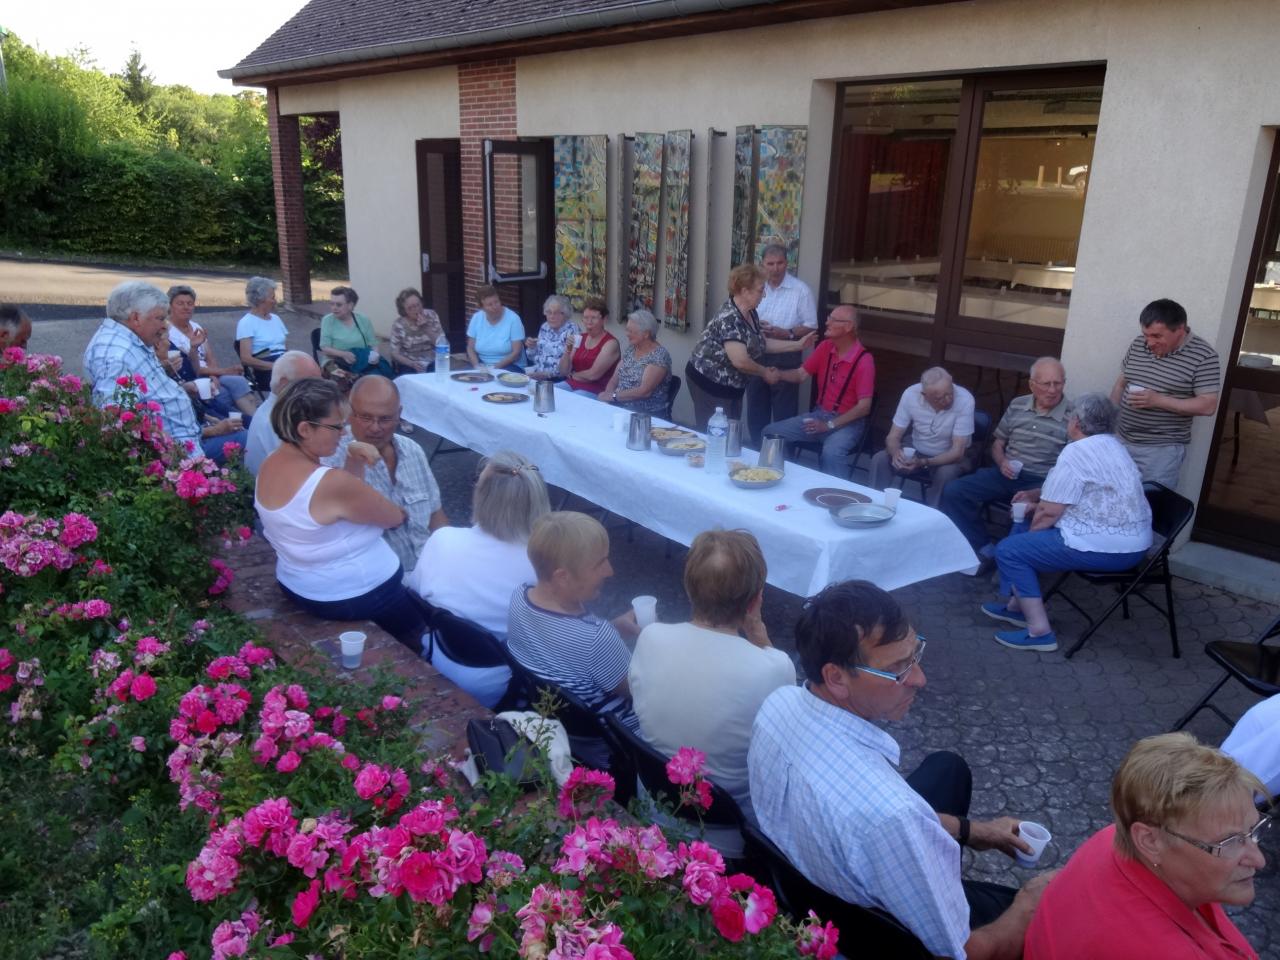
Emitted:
pixel 614 398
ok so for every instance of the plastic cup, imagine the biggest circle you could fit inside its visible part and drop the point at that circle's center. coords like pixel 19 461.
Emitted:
pixel 621 418
pixel 204 387
pixel 352 648
pixel 1016 467
pixel 1018 511
pixel 1134 388
pixel 174 354
pixel 1037 837
pixel 235 416
pixel 646 609
pixel 909 453
pixel 374 357
pixel 891 497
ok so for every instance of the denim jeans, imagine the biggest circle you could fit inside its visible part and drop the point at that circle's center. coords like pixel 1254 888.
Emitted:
pixel 388 605
pixel 213 446
pixel 964 498
pixel 836 444
pixel 1022 556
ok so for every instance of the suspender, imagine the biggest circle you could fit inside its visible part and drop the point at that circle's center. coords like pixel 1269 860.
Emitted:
pixel 831 363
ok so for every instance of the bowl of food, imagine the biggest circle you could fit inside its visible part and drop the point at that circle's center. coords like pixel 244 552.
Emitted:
pixel 513 379
pixel 682 446
pixel 755 478
pixel 695 459
pixel 858 515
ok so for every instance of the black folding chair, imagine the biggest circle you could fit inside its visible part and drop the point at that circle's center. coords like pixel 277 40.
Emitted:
pixel 469 645
pixel 673 389
pixel 868 931
pixel 1170 513
pixel 1256 665
pixel 315 347
pixel 981 430
pixel 260 380
pixel 862 447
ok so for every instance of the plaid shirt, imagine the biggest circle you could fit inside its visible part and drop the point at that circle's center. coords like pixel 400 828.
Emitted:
pixel 417 342
pixel 114 351
pixel 788 305
pixel 826 790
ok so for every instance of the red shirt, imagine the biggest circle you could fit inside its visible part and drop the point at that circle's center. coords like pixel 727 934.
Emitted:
pixel 842 379
pixel 583 359
pixel 1105 906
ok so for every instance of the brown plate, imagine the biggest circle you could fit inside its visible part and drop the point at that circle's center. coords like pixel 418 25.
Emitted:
pixel 833 497
pixel 502 396
pixel 471 376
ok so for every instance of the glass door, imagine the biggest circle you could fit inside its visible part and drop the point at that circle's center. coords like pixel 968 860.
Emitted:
pixel 519 223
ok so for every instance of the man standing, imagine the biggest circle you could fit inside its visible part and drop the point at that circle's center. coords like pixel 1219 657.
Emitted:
pixel 826 792
pixel 846 377
pixel 940 417
pixel 1027 442
pixel 787 312
pixel 401 473
pixel 292 365
pixel 1168 376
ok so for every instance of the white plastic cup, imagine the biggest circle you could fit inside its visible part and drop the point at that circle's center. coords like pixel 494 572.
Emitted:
pixel 646 609
pixel 891 497
pixel 1035 836
pixel 235 416
pixel 621 419
pixel 204 387
pixel 1018 511
pixel 909 453
pixel 1134 388
pixel 1016 467
pixel 374 357
pixel 174 354
pixel 352 648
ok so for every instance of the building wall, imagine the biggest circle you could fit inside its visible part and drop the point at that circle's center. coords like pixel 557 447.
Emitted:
pixel 1175 185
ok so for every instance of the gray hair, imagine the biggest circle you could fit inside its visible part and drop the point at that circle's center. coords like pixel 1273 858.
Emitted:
pixel 770 248
pixel 305 400
pixel 1042 360
pixel 181 289
pixel 134 296
pixel 933 376
pixel 285 369
pixel 646 321
pixel 563 302
pixel 509 497
pixel 1095 414
pixel 258 289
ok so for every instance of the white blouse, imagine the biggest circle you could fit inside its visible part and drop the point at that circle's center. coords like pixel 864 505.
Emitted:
pixel 1107 512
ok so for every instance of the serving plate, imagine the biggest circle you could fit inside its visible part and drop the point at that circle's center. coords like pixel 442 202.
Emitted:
pixel 858 515
pixel 471 376
pixel 666 434
pixel 736 478
pixel 831 498
pixel 513 379
pixel 503 396
pixel 681 446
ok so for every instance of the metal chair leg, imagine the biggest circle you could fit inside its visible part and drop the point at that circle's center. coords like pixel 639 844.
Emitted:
pixel 1204 704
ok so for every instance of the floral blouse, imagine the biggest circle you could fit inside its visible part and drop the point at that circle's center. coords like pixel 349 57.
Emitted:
pixel 631 372
pixel 709 356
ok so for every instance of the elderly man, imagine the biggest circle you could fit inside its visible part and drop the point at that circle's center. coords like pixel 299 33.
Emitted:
pixel 292 365
pixel 1168 376
pixel 826 792
pixel 699 684
pixel 846 376
pixel 124 344
pixel 401 473
pixel 1027 442
pixel 15 326
pixel 787 312
pixel 939 416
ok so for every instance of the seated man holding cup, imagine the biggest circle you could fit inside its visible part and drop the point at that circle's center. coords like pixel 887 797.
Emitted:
pixel 1027 442
pixel 825 788
pixel 939 416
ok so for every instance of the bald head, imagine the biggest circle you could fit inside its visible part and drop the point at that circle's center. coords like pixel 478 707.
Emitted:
pixel 375 410
pixel 292 365
pixel 375 389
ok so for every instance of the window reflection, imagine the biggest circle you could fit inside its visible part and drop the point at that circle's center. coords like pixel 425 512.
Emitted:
pixel 1249 456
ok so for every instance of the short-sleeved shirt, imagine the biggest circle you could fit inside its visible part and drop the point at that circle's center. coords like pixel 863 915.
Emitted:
pixel 583 654
pixel 1255 742
pixel 1105 906
pixel 545 357
pixel 1107 512
pixel 470 572
pixel 1192 370
pixel 933 430
pixel 709 358
pixel 631 372
pixel 843 379
pixel 338 335
pixel 493 340
pixel 1033 437
pixel 826 790
pixel 417 341
pixel 788 305
pixel 268 335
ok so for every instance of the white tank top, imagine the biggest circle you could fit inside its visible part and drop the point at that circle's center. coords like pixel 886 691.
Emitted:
pixel 324 561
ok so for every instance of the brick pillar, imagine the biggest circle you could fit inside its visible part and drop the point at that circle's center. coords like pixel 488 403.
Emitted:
pixel 486 109
pixel 291 219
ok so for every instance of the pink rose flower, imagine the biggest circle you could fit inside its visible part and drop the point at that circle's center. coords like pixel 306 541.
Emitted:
pixel 139 744
pixel 305 903
pixel 143 687
pixel 288 762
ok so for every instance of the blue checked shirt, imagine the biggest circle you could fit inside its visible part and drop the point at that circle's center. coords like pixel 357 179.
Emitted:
pixel 116 350
pixel 826 790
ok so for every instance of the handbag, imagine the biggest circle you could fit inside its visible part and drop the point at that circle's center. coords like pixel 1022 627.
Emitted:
pixel 497 746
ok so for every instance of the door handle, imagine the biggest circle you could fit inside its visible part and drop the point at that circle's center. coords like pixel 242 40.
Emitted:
pixel 426 263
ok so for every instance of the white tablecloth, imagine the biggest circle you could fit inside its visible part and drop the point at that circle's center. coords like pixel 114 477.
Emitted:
pixel 576 448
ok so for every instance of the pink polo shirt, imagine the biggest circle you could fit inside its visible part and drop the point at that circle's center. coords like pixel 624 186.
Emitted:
pixel 842 379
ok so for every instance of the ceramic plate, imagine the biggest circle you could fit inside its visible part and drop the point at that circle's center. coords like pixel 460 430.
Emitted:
pixel 831 498
pixel 514 379
pixel 502 396
pixel 471 376
pixel 740 478
pixel 681 446
pixel 862 515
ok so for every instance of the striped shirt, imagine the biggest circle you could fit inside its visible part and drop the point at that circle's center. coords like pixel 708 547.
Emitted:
pixel 1189 371
pixel 584 654
pixel 826 790
pixel 1030 436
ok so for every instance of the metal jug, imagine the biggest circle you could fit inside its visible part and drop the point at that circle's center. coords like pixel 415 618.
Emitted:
pixel 638 437
pixel 773 453
pixel 733 439
pixel 544 397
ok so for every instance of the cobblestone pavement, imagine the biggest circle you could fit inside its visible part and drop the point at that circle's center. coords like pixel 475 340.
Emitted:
pixel 1043 734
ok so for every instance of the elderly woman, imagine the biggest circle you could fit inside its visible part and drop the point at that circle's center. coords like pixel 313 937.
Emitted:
pixel 495 333
pixel 260 333
pixel 414 333
pixel 188 337
pixel 587 367
pixel 472 571
pixel 348 338
pixel 730 347
pixel 640 381
pixel 1091 514
pixel 326 524
pixel 555 338
pixel 1184 842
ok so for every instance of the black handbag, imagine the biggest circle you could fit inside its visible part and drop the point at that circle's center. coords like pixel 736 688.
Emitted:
pixel 497 746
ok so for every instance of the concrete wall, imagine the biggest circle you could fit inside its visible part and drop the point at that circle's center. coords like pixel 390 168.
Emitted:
pixel 1175 186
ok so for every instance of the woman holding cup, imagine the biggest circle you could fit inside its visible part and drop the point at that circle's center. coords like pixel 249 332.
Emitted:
pixel 589 358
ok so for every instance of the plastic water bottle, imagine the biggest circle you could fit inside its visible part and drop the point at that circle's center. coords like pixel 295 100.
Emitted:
pixel 442 358
pixel 717 436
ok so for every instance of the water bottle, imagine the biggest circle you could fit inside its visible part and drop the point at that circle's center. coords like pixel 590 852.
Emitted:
pixel 717 436
pixel 442 358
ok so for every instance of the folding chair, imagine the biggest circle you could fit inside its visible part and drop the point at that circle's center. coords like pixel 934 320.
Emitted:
pixel 981 430
pixel 315 347
pixel 1255 665
pixel 260 380
pixel 1170 512
pixel 869 931
pixel 469 645
pixel 673 390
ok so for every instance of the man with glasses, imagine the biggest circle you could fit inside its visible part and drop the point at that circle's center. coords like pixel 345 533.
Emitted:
pixel 826 791
pixel 400 472
pixel 1027 442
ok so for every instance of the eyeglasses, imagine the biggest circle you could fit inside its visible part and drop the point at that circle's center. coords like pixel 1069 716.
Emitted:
pixel 336 428
pixel 901 676
pixel 1050 384
pixel 375 421
pixel 1232 846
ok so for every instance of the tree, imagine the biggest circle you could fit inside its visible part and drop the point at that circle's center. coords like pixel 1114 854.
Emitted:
pixel 136 83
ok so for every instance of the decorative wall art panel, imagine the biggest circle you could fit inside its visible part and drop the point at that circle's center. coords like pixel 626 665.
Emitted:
pixel 780 188
pixel 646 193
pixel 744 180
pixel 675 246
pixel 581 235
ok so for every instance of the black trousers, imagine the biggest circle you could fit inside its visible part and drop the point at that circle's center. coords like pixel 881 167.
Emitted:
pixel 946 783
